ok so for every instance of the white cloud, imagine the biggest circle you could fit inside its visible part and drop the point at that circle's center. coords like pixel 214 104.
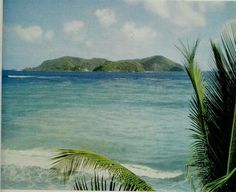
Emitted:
pixel 49 35
pixel 89 44
pixel 132 2
pixel 189 16
pixel 204 6
pixel 158 7
pixel 74 29
pixel 133 32
pixel 132 40
pixel 29 34
pixel 73 26
pixel 32 34
pixel 180 13
pixel 106 17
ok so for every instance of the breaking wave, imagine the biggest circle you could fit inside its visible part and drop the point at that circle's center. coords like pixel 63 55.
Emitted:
pixel 41 158
pixel 145 171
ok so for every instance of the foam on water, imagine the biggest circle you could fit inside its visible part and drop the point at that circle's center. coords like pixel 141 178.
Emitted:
pixel 31 76
pixel 41 158
pixel 27 158
pixel 145 171
pixel 20 76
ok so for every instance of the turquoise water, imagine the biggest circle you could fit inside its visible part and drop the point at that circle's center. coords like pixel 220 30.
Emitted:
pixel 138 119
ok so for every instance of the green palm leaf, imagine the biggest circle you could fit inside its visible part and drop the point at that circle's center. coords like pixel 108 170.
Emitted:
pixel 69 162
pixel 99 183
pixel 221 182
pixel 213 115
pixel 198 158
pixel 229 42
pixel 220 99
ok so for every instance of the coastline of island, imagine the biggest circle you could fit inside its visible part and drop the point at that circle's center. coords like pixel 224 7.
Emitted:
pixel 77 64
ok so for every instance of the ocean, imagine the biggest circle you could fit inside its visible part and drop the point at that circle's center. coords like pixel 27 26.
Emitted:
pixel 138 119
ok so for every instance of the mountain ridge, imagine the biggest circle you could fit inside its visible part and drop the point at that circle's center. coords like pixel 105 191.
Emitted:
pixel 70 64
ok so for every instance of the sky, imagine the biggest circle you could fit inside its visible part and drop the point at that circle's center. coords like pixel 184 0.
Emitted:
pixel 38 30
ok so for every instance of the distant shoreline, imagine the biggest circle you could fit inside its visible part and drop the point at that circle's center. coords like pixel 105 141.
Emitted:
pixel 13 70
pixel 74 64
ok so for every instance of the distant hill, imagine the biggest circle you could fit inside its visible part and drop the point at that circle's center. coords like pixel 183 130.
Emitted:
pixel 154 63
pixel 159 63
pixel 120 66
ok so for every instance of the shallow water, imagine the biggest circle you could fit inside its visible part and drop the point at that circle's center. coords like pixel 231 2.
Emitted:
pixel 138 119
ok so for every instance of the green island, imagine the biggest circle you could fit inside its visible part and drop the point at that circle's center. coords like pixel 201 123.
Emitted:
pixel 70 64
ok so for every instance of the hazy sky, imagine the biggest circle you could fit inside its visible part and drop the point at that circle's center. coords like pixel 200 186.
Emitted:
pixel 38 30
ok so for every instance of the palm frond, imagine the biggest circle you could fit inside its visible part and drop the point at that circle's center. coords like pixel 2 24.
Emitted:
pixel 220 101
pixel 70 161
pixel 99 183
pixel 213 114
pixel 219 183
pixel 229 42
pixel 199 147
pixel 232 148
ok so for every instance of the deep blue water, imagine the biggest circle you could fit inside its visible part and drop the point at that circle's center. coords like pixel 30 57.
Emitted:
pixel 139 119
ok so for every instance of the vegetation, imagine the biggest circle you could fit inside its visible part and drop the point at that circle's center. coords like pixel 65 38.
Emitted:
pixel 120 66
pixel 213 115
pixel 98 183
pixel 159 63
pixel 155 63
pixel 68 64
pixel 69 162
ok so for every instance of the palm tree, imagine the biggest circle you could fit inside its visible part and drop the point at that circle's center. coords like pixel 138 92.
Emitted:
pixel 213 116
pixel 69 162
pixel 99 183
